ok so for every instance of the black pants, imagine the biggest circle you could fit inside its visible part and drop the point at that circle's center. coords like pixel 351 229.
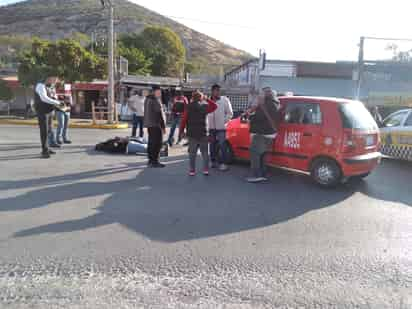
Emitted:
pixel 44 120
pixel 155 144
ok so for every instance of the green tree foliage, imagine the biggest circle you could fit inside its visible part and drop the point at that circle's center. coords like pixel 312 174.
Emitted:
pixel 165 48
pixel 6 94
pixel 66 59
pixel 138 63
pixel 161 46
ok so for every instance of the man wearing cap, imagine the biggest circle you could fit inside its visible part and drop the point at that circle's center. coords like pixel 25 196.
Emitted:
pixel 264 117
pixel 154 121
pixel 217 128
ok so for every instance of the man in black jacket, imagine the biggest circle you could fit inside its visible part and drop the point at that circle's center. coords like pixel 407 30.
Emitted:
pixel 264 117
pixel 155 122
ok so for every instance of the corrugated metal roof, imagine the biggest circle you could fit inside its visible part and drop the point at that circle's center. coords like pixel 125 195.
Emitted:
pixel 151 80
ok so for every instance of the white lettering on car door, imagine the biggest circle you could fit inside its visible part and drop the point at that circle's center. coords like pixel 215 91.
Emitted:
pixel 292 140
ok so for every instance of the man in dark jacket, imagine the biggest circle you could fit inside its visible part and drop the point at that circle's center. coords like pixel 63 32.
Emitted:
pixel 264 117
pixel 44 106
pixel 194 118
pixel 154 121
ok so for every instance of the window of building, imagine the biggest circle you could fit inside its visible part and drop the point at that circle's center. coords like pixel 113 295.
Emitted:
pixel 303 113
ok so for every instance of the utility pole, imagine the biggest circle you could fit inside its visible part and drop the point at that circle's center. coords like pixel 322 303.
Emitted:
pixel 360 68
pixel 260 67
pixel 111 66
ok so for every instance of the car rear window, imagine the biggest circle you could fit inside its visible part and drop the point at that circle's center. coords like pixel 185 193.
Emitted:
pixel 356 116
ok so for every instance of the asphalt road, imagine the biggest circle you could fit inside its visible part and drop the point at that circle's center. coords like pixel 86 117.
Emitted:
pixel 86 230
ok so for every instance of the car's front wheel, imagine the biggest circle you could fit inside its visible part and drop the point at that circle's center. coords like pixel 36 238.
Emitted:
pixel 326 173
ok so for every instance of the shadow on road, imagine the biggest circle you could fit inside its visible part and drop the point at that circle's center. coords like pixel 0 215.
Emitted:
pixel 4 148
pixel 167 206
pixel 391 182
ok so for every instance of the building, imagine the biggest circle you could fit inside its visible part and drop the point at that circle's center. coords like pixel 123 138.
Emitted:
pixel 299 77
pixel 22 95
pixel 383 83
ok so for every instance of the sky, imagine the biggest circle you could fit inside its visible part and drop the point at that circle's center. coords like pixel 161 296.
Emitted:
pixel 317 30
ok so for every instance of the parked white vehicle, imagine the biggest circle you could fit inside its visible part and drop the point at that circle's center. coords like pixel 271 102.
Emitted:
pixel 396 135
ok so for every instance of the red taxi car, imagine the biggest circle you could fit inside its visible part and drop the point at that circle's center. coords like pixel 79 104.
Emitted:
pixel 328 138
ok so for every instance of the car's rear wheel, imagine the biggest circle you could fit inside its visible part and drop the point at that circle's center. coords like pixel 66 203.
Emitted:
pixel 326 173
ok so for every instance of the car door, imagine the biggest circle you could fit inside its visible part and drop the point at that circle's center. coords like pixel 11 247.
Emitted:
pixel 404 139
pixel 391 131
pixel 299 134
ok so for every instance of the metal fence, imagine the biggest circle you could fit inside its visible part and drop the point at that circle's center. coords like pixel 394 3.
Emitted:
pixel 5 107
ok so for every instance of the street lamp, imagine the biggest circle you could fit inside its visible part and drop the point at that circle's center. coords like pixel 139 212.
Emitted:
pixel 109 5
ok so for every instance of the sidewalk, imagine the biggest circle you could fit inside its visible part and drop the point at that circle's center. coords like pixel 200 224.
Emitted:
pixel 74 123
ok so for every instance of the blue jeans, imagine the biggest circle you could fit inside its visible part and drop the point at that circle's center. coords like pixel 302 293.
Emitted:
pixel 50 135
pixel 218 146
pixel 175 124
pixel 137 122
pixel 62 125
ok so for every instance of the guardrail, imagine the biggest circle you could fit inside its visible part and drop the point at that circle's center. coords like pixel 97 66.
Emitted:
pixel 99 113
pixel 5 106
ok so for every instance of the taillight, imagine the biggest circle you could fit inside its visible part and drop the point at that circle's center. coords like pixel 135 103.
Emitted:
pixel 349 143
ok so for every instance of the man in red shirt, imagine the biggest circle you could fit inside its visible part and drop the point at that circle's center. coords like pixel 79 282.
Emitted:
pixel 179 104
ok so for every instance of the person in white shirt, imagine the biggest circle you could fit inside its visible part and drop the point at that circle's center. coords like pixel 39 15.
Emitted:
pixel 217 122
pixel 44 106
pixel 136 105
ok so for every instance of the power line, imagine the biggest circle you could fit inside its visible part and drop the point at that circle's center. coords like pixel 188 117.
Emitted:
pixel 387 39
pixel 211 22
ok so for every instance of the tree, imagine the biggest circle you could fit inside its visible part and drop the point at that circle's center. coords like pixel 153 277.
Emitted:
pixel 165 49
pixel 138 63
pixel 6 94
pixel 66 59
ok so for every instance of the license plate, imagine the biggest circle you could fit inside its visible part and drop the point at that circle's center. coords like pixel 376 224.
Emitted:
pixel 370 140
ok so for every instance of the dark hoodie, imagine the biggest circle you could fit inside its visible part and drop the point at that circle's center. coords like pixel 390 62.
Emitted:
pixel 259 122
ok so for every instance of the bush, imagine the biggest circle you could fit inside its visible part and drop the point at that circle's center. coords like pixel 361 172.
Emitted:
pixel 6 94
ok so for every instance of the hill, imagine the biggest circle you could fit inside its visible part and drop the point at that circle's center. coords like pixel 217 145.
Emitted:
pixel 55 19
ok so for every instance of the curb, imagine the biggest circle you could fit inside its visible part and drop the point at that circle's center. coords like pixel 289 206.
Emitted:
pixel 71 125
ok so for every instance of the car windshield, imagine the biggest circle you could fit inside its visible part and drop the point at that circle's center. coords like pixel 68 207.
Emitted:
pixel 356 116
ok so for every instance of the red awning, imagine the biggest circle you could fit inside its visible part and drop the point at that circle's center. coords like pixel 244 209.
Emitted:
pixel 101 86
pixel 12 82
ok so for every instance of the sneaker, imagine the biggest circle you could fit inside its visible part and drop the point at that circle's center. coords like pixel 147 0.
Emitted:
pixel 256 179
pixel 214 165
pixel 192 173
pixel 59 142
pixel 157 165
pixel 55 145
pixel 51 152
pixel 223 167
pixel 66 141
pixel 206 172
